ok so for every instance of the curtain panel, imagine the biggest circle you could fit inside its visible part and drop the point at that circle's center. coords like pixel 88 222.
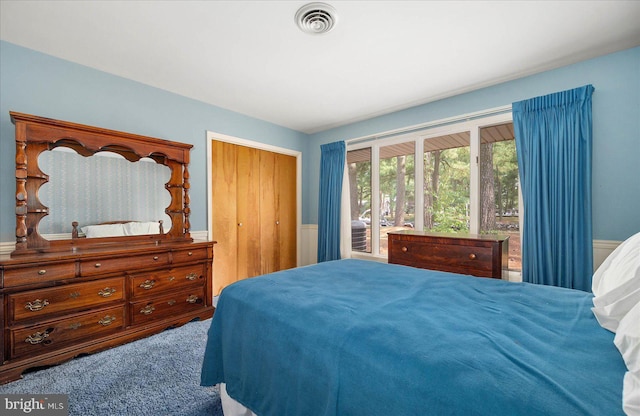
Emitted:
pixel 554 147
pixel 332 166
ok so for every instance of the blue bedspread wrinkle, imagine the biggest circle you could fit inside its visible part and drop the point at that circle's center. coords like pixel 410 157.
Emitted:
pixel 353 337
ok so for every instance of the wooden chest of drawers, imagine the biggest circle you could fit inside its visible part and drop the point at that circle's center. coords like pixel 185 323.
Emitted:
pixel 60 304
pixel 477 255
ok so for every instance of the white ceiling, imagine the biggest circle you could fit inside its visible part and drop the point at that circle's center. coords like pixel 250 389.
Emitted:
pixel 382 56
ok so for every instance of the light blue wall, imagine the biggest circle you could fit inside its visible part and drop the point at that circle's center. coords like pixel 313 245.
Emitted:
pixel 616 132
pixel 39 84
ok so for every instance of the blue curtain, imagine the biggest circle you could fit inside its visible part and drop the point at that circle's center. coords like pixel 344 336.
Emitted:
pixel 553 142
pixel 332 161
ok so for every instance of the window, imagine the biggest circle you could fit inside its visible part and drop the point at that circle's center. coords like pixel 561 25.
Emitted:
pixel 500 187
pixel 359 167
pixel 446 183
pixel 396 189
pixel 465 181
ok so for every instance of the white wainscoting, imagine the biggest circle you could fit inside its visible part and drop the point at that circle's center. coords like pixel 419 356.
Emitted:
pixel 602 249
pixel 309 246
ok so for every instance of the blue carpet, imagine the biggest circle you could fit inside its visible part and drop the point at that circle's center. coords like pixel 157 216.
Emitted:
pixel 158 375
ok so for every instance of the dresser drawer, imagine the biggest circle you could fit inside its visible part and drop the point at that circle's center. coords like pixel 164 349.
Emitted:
pixel 182 256
pixel 477 255
pixel 441 257
pixel 77 296
pixel 121 264
pixel 43 338
pixel 163 281
pixel 169 305
pixel 38 273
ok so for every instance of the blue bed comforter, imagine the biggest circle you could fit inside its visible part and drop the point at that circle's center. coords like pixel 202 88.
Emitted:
pixel 354 337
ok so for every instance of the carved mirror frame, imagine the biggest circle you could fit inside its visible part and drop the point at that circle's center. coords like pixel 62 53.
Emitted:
pixel 35 135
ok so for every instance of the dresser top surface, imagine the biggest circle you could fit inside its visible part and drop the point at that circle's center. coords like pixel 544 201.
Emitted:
pixel 79 252
pixel 457 236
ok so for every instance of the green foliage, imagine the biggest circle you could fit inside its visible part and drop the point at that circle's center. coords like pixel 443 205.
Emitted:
pixel 451 201
pixel 388 175
pixel 505 166
pixel 449 204
pixel 363 178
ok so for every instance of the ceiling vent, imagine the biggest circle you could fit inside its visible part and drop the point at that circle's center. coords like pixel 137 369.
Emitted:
pixel 316 18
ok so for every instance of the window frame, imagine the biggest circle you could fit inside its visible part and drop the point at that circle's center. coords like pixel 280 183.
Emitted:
pixel 469 123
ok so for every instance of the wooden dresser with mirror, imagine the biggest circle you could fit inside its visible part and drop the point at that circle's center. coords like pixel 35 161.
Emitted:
pixel 71 292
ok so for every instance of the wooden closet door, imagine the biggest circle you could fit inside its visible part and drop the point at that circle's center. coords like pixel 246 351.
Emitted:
pixel 224 224
pixel 286 189
pixel 268 213
pixel 278 219
pixel 254 212
pixel 248 212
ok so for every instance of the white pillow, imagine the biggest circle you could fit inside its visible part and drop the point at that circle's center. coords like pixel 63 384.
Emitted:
pixel 620 266
pixel 611 307
pixel 627 339
pixel 141 228
pixel 103 230
pixel 631 394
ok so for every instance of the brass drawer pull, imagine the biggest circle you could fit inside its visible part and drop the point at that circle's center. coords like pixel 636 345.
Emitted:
pixel 38 337
pixel 147 310
pixel 192 299
pixel 106 292
pixel 472 256
pixel 405 249
pixel 147 284
pixel 75 325
pixel 191 276
pixel 36 305
pixel 189 254
pixel 42 272
pixel 171 302
pixel 97 265
pixel 107 320
pixel 155 257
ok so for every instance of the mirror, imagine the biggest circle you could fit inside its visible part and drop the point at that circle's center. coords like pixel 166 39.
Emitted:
pixel 44 205
pixel 107 189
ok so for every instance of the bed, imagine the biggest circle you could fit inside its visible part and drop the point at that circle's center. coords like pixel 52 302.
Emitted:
pixel 354 337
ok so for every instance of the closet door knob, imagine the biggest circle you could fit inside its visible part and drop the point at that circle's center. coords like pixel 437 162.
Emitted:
pixel 239 224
